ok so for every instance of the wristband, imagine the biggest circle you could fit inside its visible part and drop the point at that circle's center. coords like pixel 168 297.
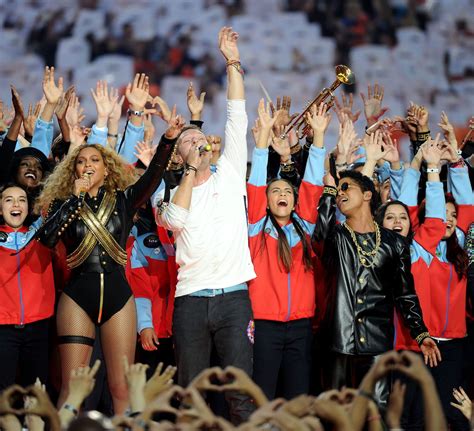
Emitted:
pixel 111 135
pixel 422 136
pixel 71 408
pixel 137 113
pixel 330 190
pixel 189 168
pixel 421 337
pixel 236 65
pixel 287 167
pixel 374 418
pixel 432 170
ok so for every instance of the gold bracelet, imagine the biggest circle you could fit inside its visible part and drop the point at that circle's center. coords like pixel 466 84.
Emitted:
pixel 422 136
pixel 421 337
pixel 295 148
pixel 287 167
pixel 329 190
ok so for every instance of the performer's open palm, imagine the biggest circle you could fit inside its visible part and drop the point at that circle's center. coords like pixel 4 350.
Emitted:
pixel 430 352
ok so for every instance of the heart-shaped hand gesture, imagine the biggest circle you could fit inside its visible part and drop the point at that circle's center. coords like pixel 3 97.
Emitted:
pixel 229 379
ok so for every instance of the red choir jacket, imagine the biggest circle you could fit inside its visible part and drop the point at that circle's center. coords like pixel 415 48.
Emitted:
pixel 276 294
pixel 441 292
pixel 26 277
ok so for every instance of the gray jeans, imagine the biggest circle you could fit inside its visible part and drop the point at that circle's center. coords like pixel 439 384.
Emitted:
pixel 201 323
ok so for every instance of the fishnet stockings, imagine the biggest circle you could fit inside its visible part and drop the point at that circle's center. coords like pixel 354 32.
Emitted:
pixel 119 338
pixel 72 320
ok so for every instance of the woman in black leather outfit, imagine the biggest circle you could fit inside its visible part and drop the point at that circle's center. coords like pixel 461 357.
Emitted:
pixel 92 199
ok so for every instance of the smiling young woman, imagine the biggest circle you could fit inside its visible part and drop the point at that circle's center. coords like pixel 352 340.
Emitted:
pixel 27 298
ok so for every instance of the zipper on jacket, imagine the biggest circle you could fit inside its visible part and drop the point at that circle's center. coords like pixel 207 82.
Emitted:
pixel 289 299
pixel 448 300
pixel 18 264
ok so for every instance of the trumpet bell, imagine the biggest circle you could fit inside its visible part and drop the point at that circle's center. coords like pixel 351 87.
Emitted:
pixel 344 74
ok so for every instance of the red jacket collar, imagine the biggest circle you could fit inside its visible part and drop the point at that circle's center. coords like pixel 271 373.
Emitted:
pixel 9 229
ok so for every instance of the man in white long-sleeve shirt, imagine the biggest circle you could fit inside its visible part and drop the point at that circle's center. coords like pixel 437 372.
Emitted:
pixel 207 214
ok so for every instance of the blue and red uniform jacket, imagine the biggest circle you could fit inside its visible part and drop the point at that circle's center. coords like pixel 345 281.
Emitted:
pixel 441 292
pixel 276 294
pixel 148 276
pixel 26 277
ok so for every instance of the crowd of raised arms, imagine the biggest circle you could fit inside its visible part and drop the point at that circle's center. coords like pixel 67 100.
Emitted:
pixel 318 291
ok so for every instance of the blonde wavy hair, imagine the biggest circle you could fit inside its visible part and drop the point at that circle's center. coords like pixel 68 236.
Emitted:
pixel 60 184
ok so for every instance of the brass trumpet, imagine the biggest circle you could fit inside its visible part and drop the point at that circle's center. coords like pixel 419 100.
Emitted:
pixel 344 75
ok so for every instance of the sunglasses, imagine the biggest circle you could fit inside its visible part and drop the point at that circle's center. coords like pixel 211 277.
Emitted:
pixel 345 186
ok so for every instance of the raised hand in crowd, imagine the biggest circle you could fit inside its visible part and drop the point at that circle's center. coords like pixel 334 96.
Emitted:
pixel 63 103
pixel 61 110
pixel 52 92
pixel 164 111
pixel 391 153
pixel 41 406
pixel 103 102
pixel 159 382
pixel 421 115
pixel 74 112
pixel 280 142
pixel 229 379
pixel 30 119
pixel 34 422
pixel 135 376
pixel 410 123
pixel 345 107
pixel 175 123
pixel 318 118
pixel 450 153
pixel 413 367
pixel 432 152
pixel 373 109
pixel 347 145
pixel 374 151
pixel 448 130
pixel 81 384
pixel 464 403
pixel 381 368
pixel 77 137
pixel 195 104
pixel 8 414
pixel 229 48
pixel 266 123
pixel 282 111
pixel 6 116
pixel 18 117
pixel 114 117
pixel 137 94
pixel 395 405
pixel 144 151
pixel 149 132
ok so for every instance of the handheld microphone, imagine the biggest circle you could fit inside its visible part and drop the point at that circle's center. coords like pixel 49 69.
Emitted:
pixel 82 192
pixel 204 149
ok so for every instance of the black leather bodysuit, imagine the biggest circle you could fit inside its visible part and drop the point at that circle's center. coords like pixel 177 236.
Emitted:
pixel 362 300
pixel 63 224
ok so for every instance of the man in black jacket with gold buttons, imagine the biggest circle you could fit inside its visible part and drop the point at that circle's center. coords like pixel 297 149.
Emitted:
pixel 368 274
